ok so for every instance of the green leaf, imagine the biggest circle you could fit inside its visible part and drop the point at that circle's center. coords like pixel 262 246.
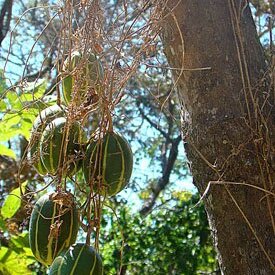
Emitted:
pixel 21 240
pixel 34 90
pixel 4 150
pixel 14 263
pixel 2 224
pixel 27 118
pixel 27 97
pixel 19 123
pixel 7 134
pixel 13 101
pixel 10 120
pixel 28 251
pixel 12 202
pixel 182 195
pixel 9 126
pixel 26 129
pixel 3 253
pixel 3 105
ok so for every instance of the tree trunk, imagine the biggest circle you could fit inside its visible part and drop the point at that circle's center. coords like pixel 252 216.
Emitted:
pixel 221 77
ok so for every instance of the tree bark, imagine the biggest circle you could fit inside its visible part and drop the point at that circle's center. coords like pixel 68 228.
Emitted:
pixel 221 77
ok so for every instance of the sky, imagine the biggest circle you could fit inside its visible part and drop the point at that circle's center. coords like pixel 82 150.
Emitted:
pixel 143 169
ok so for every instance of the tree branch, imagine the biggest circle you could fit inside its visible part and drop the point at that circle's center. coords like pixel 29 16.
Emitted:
pixel 153 124
pixel 164 180
pixel 5 18
pixel 33 76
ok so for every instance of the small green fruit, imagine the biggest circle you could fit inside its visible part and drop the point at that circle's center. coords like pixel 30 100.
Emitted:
pixel 53 226
pixel 61 146
pixel 85 74
pixel 109 161
pixel 79 259
pixel 43 119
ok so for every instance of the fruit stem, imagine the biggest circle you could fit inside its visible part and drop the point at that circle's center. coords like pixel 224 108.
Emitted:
pixel 89 229
pixel 110 121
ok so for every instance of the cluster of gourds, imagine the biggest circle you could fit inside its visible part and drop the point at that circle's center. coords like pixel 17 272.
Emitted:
pixel 59 147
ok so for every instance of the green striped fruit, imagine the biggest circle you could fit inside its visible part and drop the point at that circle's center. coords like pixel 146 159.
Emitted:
pixel 40 123
pixel 85 73
pixel 79 259
pixel 53 226
pixel 108 163
pixel 61 146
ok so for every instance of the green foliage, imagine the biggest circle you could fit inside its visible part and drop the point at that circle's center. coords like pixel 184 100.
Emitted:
pixel 2 224
pixel 12 202
pixel 18 109
pixel 7 151
pixel 16 258
pixel 174 239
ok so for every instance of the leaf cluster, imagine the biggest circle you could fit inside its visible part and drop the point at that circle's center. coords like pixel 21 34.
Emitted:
pixel 175 239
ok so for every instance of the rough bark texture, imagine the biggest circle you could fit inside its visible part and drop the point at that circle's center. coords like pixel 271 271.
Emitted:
pixel 230 134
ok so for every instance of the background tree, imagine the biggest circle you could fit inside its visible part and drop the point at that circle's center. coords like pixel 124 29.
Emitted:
pixel 172 240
